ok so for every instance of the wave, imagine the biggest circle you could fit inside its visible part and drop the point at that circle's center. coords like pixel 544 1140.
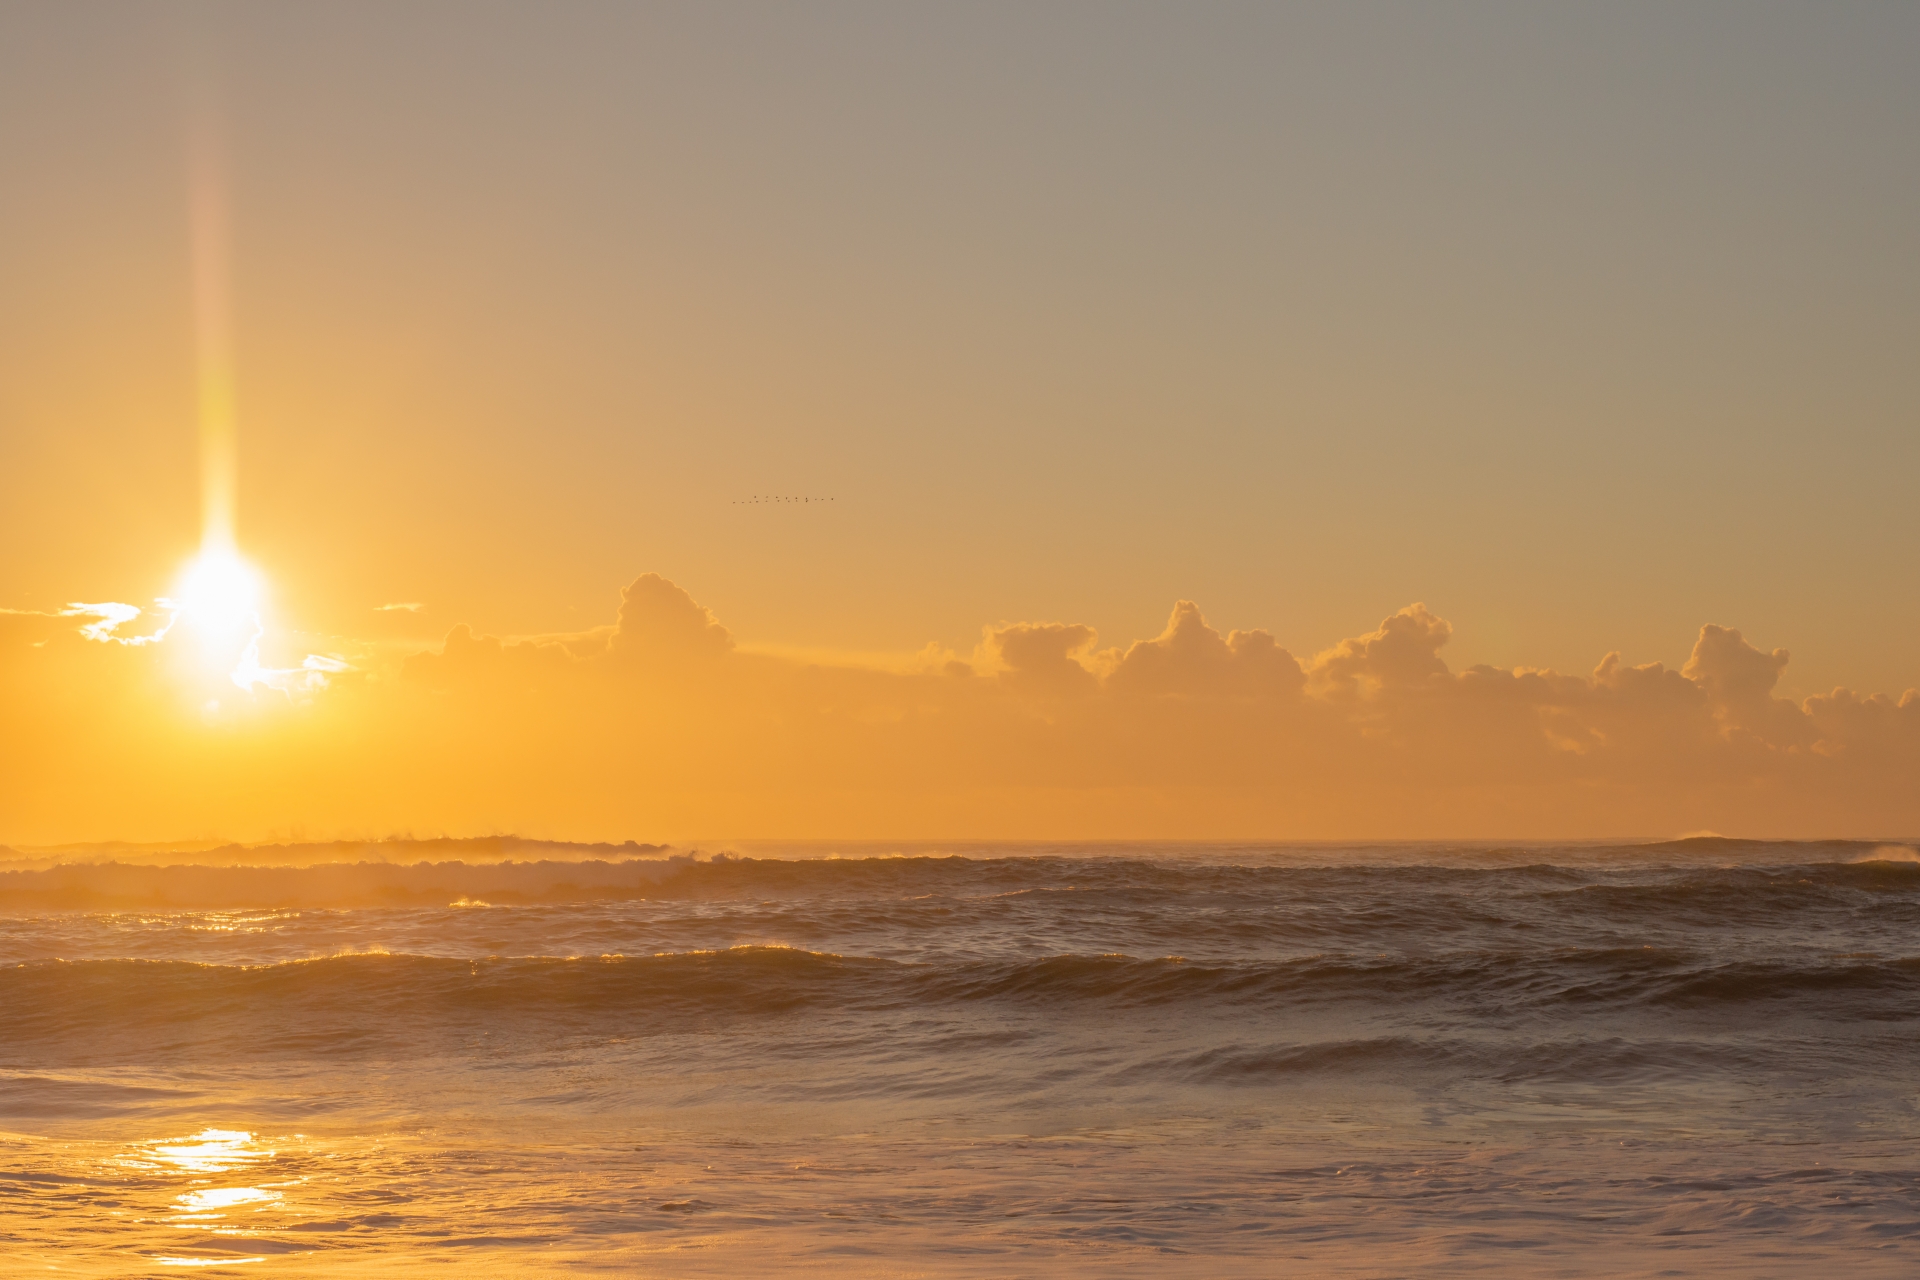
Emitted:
pixel 1581 1060
pixel 337 1002
pixel 404 849
pixel 508 847
pixel 1107 880
pixel 121 886
pixel 1808 850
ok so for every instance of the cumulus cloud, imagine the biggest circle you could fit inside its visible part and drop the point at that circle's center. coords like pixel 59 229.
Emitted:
pixel 1039 657
pixel 1403 652
pixel 1190 658
pixel 465 657
pixel 659 725
pixel 659 619
pixel 1739 680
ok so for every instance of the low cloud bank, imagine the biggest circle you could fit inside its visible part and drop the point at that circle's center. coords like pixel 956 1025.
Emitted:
pixel 661 726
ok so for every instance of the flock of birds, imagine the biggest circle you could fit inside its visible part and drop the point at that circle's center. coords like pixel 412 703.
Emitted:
pixel 761 499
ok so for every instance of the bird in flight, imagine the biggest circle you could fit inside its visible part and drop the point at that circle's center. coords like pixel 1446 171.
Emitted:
pixel 768 499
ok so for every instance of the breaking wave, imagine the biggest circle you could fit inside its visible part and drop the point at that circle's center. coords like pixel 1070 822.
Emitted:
pixel 1715 873
pixel 340 1002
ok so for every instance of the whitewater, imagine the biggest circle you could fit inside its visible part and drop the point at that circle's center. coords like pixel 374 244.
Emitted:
pixel 1681 1057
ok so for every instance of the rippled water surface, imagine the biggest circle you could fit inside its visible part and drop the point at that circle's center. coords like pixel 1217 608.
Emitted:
pixel 1686 1058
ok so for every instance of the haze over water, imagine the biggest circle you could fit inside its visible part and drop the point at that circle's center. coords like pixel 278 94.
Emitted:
pixel 1203 1059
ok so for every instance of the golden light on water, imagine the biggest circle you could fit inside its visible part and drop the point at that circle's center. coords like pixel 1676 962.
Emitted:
pixel 207 1203
pixel 208 1151
pixel 217 1194
pixel 205 1262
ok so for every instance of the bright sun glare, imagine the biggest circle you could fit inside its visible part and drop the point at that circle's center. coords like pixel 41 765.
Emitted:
pixel 216 604
pixel 219 593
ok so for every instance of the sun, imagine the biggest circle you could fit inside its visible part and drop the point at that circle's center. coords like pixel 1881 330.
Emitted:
pixel 219 594
pixel 216 604
pixel 219 616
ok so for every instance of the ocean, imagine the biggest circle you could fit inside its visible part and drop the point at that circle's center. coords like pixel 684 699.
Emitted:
pixel 515 1057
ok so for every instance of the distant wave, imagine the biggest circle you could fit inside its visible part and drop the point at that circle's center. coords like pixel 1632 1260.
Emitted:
pixel 118 886
pixel 339 1003
pixel 402 849
pixel 1770 850
pixel 1717 883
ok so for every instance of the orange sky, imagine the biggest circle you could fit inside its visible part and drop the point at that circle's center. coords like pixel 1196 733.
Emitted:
pixel 659 723
pixel 1583 329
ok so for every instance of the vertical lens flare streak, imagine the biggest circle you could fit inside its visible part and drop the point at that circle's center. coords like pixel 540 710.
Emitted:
pixel 219 596
pixel 216 612
pixel 213 340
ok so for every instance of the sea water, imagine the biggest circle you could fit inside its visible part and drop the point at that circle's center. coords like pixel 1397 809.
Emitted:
pixel 1690 1057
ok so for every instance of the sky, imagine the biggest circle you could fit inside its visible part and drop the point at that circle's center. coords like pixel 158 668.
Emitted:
pixel 1581 329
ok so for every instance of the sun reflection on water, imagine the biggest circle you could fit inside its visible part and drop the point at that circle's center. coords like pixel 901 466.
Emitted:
pixel 209 1151
pixel 207 1262
pixel 202 1203
pixel 220 1188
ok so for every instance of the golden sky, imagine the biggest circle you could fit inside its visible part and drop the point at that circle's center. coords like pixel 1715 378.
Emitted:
pixel 1584 329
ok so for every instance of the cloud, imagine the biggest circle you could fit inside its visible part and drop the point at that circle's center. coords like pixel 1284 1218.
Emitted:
pixel 96 622
pixel 1403 652
pixel 466 658
pixel 1039 657
pixel 106 620
pixel 1192 659
pixel 660 620
pixel 659 725
pixel 23 627
pixel 400 606
pixel 1739 680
